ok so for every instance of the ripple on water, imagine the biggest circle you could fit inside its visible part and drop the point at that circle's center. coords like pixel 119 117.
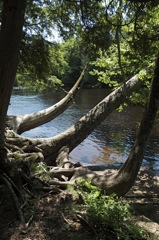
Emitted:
pixel 109 144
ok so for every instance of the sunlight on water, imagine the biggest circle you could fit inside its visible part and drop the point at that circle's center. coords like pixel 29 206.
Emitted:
pixel 109 144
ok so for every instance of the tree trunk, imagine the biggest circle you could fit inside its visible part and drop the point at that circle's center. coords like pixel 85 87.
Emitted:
pixel 55 150
pixel 22 123
pixel 74 135
pixel 11 34
pixel 123 180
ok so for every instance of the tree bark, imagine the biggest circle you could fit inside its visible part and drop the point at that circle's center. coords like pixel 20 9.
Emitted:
pixel 123 180
pixel 22 123
pixel 11 34
pixel 54 151
pixel 74 135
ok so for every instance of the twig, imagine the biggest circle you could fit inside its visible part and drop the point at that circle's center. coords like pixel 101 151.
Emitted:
pixel 65 219
pixel 30 220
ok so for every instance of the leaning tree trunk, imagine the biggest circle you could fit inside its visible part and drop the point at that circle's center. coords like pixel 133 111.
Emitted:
pixel 10 38
pixel 121 182
pixel 50 147
pixel 78 132
pixel 55 150
pixel 22 123
pixel 129 170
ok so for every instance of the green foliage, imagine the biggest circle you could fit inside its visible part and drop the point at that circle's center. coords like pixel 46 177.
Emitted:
pixel 134 46
pixel 123 35
pixel 41 60
pixel 106 68
pixel 41 66
pixel 73 56
pixel 40 169
pixel 84 19
pixel 121 107
pixel 76 58
pixel 109 215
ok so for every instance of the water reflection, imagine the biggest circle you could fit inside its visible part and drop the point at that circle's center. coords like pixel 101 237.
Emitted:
pixel 109 144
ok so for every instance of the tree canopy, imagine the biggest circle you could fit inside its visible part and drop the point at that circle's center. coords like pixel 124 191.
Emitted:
pixel 119 38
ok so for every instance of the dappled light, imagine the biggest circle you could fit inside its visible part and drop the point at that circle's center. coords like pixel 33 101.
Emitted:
pixel 116 43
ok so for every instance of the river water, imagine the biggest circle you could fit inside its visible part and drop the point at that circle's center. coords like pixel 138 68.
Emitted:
pixel 109 144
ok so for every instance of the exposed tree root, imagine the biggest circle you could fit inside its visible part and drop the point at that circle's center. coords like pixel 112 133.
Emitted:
pixel 55 151
pixel 9 184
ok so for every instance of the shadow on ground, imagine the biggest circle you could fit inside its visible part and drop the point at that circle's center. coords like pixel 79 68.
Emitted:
pixel 53 217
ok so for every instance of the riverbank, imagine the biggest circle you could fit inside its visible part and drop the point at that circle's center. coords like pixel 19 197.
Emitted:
pixel 144 198
pixel 54 215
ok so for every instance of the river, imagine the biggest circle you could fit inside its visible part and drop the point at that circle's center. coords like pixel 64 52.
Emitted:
pixel 110 142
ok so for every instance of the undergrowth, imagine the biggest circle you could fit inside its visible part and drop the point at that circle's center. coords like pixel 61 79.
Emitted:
pixel 109 217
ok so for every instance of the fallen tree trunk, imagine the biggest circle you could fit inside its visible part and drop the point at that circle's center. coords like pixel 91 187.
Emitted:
pixel 22 123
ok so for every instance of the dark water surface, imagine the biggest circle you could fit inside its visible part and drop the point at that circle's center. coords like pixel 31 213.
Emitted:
pixel 109 144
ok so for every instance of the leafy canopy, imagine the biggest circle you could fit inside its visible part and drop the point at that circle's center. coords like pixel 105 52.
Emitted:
pixel 120 37
pixel 134 45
